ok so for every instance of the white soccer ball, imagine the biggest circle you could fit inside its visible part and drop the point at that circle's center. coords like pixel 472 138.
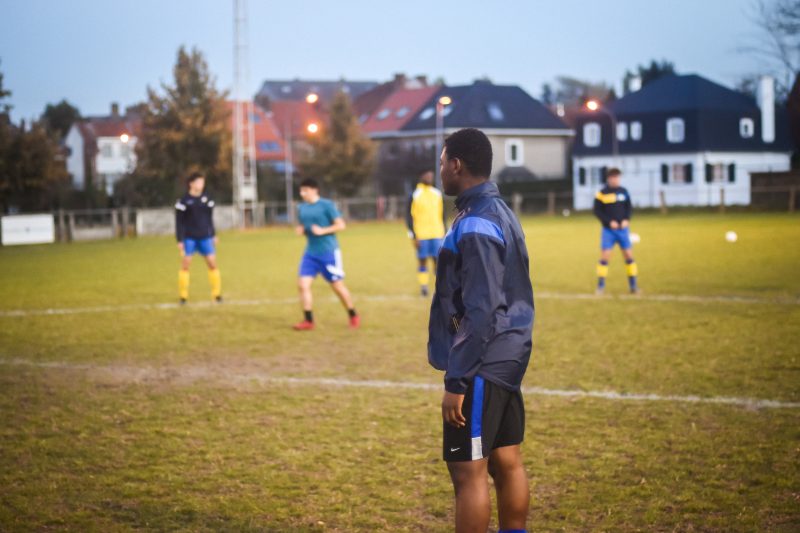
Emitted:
pixel 566 212
pixel 731 236
pixel 636 238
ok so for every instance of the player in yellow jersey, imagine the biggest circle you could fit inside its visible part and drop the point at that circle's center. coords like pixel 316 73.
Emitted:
pixel 425 220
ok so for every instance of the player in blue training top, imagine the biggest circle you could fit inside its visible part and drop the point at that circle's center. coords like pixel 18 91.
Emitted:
pixel 612 206
pixel 319 221
pixel 194 230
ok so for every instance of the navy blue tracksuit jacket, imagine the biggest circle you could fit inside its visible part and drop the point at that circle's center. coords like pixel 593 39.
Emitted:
pixel 481 319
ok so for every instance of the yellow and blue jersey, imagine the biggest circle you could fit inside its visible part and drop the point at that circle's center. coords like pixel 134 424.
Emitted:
pixel 425 216
pixel 612 204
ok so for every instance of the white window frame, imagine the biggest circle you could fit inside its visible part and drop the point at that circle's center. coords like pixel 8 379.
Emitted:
pixel 636 130
pixel 677 173
pixel 595 176
pixel 383 113
pixel 676 130
pixel 592 134
pixel 107 150
pixel 520 159
pixel 747 128
pixel 622 131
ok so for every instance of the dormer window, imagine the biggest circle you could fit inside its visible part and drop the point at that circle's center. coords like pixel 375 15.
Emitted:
pixel 427 113
pixel 495 113
pixel 747 128
pixel 403 111
pixel 636 131
pixel 622 131
pixel 591 134
pixel 675 130
pixel 383 113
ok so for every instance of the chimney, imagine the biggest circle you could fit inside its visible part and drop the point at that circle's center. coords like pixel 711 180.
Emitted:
pixel 400 78
pixel 766 103
pixel 423 80
pixel 114 109
pixel 635 84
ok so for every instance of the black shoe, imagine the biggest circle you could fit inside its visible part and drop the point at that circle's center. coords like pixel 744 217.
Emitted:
pixel 218 299
pixel 183 301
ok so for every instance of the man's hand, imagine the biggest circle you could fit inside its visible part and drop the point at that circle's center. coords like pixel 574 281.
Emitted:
pixel 181 249
pixel 451 409
pixel 625 224
pixel 416 244
pixel 316 230
pixel 614 224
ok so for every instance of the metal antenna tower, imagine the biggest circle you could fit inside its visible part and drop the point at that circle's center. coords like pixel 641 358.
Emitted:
pixel 245 194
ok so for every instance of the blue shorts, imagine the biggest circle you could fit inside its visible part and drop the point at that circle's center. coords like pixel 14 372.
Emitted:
pixel 329 265
pixel 203 246
pixel 610 237
pixel 429 248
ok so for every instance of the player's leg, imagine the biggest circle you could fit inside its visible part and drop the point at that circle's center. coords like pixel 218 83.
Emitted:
pixel 606 245
pixel 511 484
pixel 471 486
pixel 422 269
pixel 346 298
pixel 183 273
pixel 623 237
pixel 306 302
pixel 214 276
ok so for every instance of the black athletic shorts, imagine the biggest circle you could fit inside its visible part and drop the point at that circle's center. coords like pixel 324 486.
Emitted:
pixel 495 418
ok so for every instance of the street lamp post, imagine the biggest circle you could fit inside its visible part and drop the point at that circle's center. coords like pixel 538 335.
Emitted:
pixel 441 103
pixel 288 171
pixel 594 105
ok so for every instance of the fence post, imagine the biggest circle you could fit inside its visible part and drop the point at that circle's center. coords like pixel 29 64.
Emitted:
pixel 792 198
pixel 71 219
pixel 722 200
pixel 516 203
pixel 392 211
pixel 551 203
pixel 345 208
pixel 114 223
pixel 126 220
pixel 662 200
pixel 62 229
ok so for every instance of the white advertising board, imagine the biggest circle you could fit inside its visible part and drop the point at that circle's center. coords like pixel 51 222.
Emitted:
pixel 27 229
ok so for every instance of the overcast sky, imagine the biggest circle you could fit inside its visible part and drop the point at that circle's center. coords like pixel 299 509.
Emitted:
pixel 93 52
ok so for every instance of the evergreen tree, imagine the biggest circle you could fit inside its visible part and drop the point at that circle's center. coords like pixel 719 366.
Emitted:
pixel 184 129
pixel 60 117
pixel 342 157
pixel 648 73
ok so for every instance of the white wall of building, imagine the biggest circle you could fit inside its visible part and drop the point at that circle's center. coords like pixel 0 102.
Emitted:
pixel 75 164
pixel 114 159
pixel 641 175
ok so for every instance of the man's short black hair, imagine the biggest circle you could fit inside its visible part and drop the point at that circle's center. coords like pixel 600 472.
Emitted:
pixel 473 148
pixel 311 183
pixel 194 176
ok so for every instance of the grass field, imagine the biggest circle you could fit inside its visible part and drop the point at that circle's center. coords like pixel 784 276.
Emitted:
pixel 120 411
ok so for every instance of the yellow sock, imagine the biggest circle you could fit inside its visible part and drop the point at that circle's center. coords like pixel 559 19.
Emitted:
pixel 602 270
pixel 183 284
pixel 422 277
pixel 215 279
pixel 633 269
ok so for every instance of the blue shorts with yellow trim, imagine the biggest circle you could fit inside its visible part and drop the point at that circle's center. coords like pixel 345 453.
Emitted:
pixel 429 248
pixel 203 246
pixel 609 237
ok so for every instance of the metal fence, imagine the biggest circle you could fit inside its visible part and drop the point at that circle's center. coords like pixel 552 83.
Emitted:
pixel 92 224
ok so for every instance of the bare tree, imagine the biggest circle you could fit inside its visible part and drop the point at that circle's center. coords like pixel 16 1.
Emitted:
pixel 778 40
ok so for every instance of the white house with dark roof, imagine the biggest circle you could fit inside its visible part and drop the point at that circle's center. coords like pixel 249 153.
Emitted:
pixel 103 147
pixel 683 138
pixel 528 140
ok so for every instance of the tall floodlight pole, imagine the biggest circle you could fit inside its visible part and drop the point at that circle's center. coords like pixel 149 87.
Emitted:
pixel 441 103
pixel 245 194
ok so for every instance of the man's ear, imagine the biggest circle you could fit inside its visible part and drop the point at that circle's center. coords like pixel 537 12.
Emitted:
pixel 457 165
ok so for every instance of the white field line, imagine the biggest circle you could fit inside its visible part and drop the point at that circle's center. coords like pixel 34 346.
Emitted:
pixel 542 295
pixel 193 373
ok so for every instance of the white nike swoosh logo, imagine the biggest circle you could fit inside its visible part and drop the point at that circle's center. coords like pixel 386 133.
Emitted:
pixel 455 449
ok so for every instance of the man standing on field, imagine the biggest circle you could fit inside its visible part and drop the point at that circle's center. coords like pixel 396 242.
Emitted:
pixel 319 222
pixel 480 334
pixel 612 207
